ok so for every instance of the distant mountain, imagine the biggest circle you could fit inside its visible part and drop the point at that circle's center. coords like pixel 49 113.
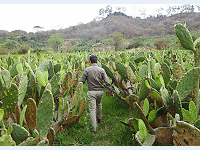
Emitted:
pixel 130 27
pixel 116 22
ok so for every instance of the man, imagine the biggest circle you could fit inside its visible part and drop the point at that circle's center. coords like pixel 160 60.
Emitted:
pixel 95 77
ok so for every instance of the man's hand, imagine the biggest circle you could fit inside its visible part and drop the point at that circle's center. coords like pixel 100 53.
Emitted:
pixel 112 95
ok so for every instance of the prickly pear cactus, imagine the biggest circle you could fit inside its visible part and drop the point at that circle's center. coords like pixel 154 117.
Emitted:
pixel 139 57
pixel 22 89
pixel 19 133
pixel 165 71
pixel 121 70
pixel 9 98
pixel 6 140
pixel 46 106
pixel 30 114
pixel 190 78
pixel 57 68
pixel 186 134
pixel 143 91
pixel 184 36
pixel 55 84
pixel 178 71
pixel 130 74
pixel 108 71
pixel 42 77
pixel 6 77
pixel 66 82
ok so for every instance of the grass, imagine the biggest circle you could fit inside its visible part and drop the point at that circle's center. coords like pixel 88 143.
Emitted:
pixel 110 132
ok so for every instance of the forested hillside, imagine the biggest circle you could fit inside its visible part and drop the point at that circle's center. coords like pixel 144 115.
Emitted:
pixel 83 36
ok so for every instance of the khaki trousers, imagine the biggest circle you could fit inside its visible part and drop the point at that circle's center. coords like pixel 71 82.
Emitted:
pixel 95 107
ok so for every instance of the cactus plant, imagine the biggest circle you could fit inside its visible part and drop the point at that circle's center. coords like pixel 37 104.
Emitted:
pixel 46 106
pixel 19 133
pixel 9 98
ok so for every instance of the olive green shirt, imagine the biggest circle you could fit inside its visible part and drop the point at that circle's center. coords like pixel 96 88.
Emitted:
pixel 95 77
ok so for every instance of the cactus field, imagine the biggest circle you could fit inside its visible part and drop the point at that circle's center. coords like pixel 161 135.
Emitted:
pixel 40 94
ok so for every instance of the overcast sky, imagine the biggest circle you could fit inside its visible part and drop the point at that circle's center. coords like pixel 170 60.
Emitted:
pixel 56 16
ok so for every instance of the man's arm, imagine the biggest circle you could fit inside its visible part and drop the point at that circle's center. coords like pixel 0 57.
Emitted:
pixel 84 77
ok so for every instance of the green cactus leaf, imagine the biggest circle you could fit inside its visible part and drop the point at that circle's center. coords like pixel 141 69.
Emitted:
pixel 184 36
pixel 168 102
pixel 147 84
pixel 130 74
pixel 153 84
pixel 156 70
pixel 45 106
pixel 152 116
pixel 19 133
pixel 135 123
pixel 22 115
pixel 22 89
pixel 132 65
pixel 6 77
pixel 143 71
pixel 57 68
pixel 165 71
pixel 142 129
pixel 19 68
pixel 1 114
pixel 108 71
pixel 186 115
pixel 6 140
pixel 193 111
pixel 143 91
pixel 196 41
pixel 10 128
pixel 9 99
pixel 13 70
pixel 42 77
pixel 190 79
pixel 197 124
pixel 121 70
pixel 146 107
pixel 177 103
pixel 55 84
pixel 139 57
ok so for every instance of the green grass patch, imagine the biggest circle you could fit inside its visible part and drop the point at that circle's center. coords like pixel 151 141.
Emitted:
pixel 110 132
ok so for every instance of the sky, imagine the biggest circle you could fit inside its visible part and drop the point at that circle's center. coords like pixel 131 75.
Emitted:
pixel 56 16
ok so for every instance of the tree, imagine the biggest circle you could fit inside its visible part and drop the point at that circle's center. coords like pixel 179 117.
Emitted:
pixel 55 41
pixel 10 45
pixel 116 39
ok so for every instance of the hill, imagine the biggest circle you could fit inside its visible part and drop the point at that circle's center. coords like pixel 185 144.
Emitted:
pixel 130 27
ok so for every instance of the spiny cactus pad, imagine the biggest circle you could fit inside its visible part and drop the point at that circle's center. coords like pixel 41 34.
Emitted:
pixel 30 114
pixel 19 133
pixel 9 98
pixel 184 36
pixel 187 83
pixel 45 113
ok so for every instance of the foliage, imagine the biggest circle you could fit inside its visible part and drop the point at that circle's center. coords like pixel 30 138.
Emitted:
pixel 55 41
pixel 116 39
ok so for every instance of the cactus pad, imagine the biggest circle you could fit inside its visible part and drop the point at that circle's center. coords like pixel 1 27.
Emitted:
pixel 186 134
pixel 190 78
pixel 46 106
pixel 30 114
pixel 9 98
pixel 19 133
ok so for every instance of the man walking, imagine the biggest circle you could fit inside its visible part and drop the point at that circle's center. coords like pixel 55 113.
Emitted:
pixel 95 77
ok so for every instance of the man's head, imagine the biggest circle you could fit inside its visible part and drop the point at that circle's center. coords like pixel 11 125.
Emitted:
pixel 93 59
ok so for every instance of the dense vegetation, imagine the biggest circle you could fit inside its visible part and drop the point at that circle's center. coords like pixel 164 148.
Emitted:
pixel 154 33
